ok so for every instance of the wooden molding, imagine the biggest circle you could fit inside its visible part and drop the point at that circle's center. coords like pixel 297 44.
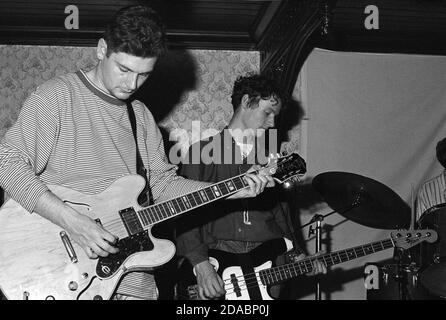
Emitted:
pixel 283 42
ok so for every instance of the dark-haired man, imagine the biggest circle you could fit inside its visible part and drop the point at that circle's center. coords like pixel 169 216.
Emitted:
pixel 433 191
pixel 239 226
pixel 75 131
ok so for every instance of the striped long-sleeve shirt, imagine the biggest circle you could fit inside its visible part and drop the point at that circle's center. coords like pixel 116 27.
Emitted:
pixel 431 193
pixel 71 133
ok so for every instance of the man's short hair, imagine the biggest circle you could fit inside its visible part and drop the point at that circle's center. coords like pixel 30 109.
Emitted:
pixel 441 152
pixel 136 30
pixel 256 86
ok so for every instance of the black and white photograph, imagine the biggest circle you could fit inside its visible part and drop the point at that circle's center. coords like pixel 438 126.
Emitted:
pixel 223 156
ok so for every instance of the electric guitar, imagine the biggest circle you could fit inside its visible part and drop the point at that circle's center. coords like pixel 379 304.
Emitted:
pixel 38 260
pixel 247 276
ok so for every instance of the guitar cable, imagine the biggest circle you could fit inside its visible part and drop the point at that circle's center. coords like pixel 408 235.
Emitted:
pixel 89 284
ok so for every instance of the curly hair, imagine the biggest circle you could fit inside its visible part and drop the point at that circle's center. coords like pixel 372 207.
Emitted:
pixel 256 86
pixel 441 152
pixel 136 30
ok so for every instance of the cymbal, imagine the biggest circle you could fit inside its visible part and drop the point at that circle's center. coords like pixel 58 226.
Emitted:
pixel 363 200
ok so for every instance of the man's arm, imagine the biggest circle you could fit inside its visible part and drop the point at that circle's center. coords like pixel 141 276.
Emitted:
pixel 24 154
pixel 93 239
pixel 421 202
pixel 166 184
pixel 191 243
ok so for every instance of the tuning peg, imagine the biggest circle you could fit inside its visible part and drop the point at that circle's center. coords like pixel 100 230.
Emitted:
pixel 290 183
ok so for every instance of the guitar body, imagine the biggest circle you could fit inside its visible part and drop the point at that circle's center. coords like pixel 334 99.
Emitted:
pixel 38 260
pixel 240 272
pixel 34 260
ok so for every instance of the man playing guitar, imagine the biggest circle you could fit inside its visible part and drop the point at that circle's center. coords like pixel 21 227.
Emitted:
pixel 236 227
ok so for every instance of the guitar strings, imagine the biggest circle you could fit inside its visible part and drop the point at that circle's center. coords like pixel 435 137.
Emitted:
pixel 251 280
pixel 117 222
pixel 135 284
pixel 116 226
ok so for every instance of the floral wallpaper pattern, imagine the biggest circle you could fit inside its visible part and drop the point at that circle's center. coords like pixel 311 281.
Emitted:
pixel 22 68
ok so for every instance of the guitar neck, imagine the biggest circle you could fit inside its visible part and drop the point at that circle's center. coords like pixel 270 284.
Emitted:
pixel 281 170
pixel 288 271
pixel 174 207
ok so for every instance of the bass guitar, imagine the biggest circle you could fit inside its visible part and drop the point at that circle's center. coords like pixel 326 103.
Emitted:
pixel 38 260
pixel 248 276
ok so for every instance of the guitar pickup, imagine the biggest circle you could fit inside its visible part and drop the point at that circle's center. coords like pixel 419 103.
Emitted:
pixel 131 221
pixel 237 290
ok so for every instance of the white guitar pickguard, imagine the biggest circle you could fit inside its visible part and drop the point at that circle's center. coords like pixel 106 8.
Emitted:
pixel 241 281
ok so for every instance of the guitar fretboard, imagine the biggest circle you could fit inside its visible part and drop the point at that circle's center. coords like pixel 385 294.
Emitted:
pixel 135 222
pixel 168 209
pixel 284 272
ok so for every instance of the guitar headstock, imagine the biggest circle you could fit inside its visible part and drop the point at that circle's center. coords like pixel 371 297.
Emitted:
pixel 283 168
pixel 406 239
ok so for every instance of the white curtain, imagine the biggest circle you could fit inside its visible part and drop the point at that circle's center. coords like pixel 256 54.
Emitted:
pixel 377 115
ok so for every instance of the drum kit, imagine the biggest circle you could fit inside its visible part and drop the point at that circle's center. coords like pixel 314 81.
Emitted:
pixel 419 273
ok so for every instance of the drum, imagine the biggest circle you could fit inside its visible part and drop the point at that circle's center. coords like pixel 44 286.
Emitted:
pixel 432 273
pixel 394 282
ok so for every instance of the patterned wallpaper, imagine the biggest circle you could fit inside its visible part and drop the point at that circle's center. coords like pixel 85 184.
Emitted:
pixel 22 68
pixel 187 86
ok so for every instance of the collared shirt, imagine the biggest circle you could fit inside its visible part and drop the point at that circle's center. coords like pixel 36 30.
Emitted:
pixel 431 193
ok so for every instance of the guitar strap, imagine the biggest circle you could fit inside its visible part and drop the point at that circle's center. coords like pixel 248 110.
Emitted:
pixel 140 169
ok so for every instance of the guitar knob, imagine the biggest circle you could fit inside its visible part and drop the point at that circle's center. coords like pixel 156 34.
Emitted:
pixel 97 297
pixel 287 184
pixel 73 285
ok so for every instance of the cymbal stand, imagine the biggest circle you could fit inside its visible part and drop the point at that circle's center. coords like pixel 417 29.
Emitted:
pixel 318 219
pixel 401 276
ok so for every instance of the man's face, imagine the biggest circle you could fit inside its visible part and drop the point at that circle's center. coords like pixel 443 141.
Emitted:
pixel 122 74
pixel 262 116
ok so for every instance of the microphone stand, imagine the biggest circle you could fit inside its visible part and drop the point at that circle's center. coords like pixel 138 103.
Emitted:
pixel 318 218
